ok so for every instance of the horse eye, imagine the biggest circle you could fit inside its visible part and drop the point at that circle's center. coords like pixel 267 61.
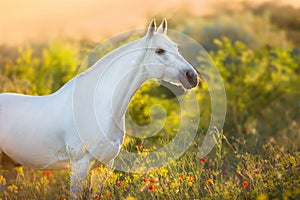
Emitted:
pixel 159 51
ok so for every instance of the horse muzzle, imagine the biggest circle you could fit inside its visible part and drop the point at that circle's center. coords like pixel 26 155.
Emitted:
pixel 189 78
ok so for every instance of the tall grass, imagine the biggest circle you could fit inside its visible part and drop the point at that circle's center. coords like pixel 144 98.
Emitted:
pixel 226 174
pixel 257 156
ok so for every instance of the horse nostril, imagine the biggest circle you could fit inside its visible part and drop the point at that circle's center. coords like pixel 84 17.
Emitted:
pixel 191 77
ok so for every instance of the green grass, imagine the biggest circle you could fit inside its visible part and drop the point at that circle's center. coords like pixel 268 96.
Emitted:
pixel 272 174
pixel 258 157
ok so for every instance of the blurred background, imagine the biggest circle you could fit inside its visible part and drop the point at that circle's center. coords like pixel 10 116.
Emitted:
pixel 255 45
pixel 32 20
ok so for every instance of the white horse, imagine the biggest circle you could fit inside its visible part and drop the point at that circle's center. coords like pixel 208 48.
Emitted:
pixel 42 132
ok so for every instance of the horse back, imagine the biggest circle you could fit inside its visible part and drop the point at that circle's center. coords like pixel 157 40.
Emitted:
pixel 27 114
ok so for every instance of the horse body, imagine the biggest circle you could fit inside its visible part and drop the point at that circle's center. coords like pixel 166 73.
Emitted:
pixel 40 132
pixel 57 131
pixel 33 129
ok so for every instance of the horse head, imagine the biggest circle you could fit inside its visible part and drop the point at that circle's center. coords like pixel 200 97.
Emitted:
pixel 163 60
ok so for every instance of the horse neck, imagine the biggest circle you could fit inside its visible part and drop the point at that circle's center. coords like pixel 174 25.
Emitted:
pixel 114 79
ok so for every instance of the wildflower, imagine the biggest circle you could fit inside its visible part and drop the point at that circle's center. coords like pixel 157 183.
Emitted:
pixel 202 160
pixel 245 184
pixel 2 180
pixel 13 188
pixel 47 173
pixel 262 197
pixel 130 198
pixel 145 180
pixel 151 187
pixel 140 148
pixel 190 177
pixel 209 182
pixel 152 180
pixel 174 185
pixel 163 171
pixel 181 177
pixel 190 184
pixel 120 183
pixel 255 171
pixel 19 170
pixel 96 196
pixel 108 194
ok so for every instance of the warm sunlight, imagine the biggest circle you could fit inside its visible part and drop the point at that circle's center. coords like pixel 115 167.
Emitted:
pixel 203 103
pixel 28 20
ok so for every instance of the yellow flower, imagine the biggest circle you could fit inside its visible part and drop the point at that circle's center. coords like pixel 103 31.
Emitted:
pixel 190 183
pixel 45 180
pixel 190 178
pixel 130 198
pixel 19 170
pixel 163 171
pixel 262 197
pixel 2 180
pixel 13 188
pixel 209 182
pixel 174 185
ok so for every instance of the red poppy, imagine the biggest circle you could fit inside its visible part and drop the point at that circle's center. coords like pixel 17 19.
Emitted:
pixel 146 180
pixel 191 177
pixel 151 187
pixel 181 177
pixel 120 183
pixel 47 173
pixel 255 171
pixel 202 160
pixel 245 184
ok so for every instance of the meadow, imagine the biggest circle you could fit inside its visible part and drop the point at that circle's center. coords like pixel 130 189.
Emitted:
pixel 257 155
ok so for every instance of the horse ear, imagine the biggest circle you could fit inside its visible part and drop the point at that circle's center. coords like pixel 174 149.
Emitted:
pixel 163 27
pixel 151 28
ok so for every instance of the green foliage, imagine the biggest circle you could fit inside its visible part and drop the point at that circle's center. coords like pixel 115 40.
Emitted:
pixel 259 86
pixel 272 174
pixel 142 114
pixel 257 156
pixel 254 26
pixel 40 71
